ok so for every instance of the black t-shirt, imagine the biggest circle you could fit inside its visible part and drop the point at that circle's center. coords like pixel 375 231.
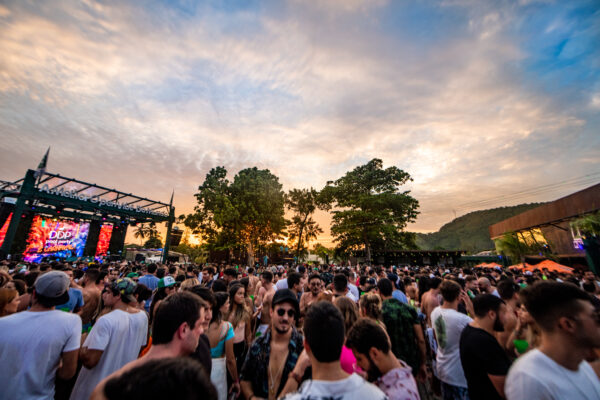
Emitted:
pixel 202 353
pixel 480 355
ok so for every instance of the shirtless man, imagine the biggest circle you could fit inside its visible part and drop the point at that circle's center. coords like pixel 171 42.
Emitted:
pixel 91 298
pixel 263 301
pixel 430 299
pixel 254 281
pixel 315 286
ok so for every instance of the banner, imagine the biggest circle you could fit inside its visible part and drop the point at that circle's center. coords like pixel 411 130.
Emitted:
pixel 56 238
pixel 104 240
pixel 4 229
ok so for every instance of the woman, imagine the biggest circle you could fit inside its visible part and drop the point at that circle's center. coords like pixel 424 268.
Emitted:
pixel 9 301
pixel 526 336
pixel 370 307
pixel 220 335
pixel 188 284
pixel 350 314
pixel 241 319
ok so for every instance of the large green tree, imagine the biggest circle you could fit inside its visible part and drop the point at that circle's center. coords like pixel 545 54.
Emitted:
pixel 302 228
pixel 248 211
pixel 369 210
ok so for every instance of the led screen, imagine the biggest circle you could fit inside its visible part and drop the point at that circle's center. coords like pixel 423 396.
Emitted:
pixel 4 229
pixel 104 240
pixel 56 238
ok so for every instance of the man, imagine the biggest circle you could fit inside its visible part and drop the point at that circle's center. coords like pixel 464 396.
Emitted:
pixel 91 297
pixel 340 287
pixel 509 293
pixel 404 329
pixel 294 283
pixel 448 325
pixel 430 299
pixel 590 278
pixel 149 279
pixel 323 351
pixel 115 339
pixel 202 352
pixel 272 356
pixel 75 302
pixel 371 347
pixel 113 275
pixel 253 281
pixel 208 274
pixel 315 286
pixel 229 275
pixel 40 344
pixel 263 301
pixel 570 328
pixel 178 324
pixel 484 361
pixel 471 286
pixel 486 287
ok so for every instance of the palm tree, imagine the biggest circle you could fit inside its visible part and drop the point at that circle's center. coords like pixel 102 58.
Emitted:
pixel 141 232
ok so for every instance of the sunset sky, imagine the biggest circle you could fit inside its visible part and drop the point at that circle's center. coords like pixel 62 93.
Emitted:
pixel 484 103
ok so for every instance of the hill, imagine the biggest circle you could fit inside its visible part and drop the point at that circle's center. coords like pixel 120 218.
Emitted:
pixel 469 232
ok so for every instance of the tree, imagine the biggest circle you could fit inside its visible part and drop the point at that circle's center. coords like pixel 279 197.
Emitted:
pixel 323 252
pixel 153 242
pixel 369 211
pixel 140 232
pixel 247 212
pixel 302 228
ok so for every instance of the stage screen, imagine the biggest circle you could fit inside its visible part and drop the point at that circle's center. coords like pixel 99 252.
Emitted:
pixel 4 229
pixel 60 238
pixel 104 240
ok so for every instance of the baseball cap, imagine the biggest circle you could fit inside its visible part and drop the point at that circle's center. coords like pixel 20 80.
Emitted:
pixel 53 285
pixel 125 287
pixel 132 275
pixel 167 281
pixel 286 296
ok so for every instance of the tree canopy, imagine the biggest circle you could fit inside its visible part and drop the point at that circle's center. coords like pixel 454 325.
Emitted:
pixel 302 228
pixel 369 211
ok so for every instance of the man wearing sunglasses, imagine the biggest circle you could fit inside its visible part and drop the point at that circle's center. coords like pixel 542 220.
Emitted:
pixel 273 355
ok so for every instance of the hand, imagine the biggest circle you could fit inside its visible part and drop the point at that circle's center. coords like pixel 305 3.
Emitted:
pixel 235 387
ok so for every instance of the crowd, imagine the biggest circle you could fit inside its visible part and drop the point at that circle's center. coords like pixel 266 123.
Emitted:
pixel 136 331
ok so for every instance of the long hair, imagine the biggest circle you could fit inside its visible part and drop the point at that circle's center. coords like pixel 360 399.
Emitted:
pixel 237 312
pixel 6 296
pixel 348 309
pixel 370 303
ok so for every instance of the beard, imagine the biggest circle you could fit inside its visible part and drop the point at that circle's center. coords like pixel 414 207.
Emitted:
pixel 282 329
pixel 498 325
pixel 373 373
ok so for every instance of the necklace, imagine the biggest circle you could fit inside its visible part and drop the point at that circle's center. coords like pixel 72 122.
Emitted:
pixel 273 381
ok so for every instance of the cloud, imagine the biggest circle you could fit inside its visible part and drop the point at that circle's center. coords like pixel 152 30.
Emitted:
pixel 463 97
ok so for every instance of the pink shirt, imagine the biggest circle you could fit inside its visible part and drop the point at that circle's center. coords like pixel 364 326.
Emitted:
pixel 347 360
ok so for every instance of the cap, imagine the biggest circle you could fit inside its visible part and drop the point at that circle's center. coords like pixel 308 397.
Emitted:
pixel 167 281
pixel 125 287
pixel 286 296
pixel 132 275
pixel 53 285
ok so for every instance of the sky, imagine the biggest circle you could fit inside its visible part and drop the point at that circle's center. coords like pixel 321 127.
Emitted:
pixel 483 103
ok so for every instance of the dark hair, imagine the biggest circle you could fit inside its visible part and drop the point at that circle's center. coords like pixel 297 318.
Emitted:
pixel 142 292
pixel 450 290
pixel 219 286
pixel 152 268
pixel 366 334
pixel 507 289
pixel 268 276
pixel 484 303
pixel 589 287
pixel 293 279
pixel 45 301
pixel 220 299
pixel 237 312
pixel 434 282
pixel 178 308
pixel 302 269
pixel 205 294
pixel 321 317
pixel 160 273
pixel 250 270
pixel 549 301
pixel 314 276
pixel 93 275
pixel 340 282
pixel 230 272
pixel 385 287
pixel 177 377
pixel 19 286
pixel 209 270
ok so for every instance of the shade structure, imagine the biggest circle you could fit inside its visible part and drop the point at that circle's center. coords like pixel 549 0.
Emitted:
pixel 520 266
pixel 488 265
pixel 551 266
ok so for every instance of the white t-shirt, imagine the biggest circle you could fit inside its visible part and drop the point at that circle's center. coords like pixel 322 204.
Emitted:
pixel 448 324
pixel 120 335
pixel 354 290
pixel 535 376
pixel 352 388
pixel 281 284
pixel 31 344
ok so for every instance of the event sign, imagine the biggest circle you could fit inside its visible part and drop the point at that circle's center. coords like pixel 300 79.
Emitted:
pixel 57 238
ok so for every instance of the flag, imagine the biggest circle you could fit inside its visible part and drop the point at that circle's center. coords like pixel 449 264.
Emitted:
pixel 41 169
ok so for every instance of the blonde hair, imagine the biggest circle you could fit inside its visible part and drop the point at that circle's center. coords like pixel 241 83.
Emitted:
pixel 189 283
pixel 370 304
pixel 348 309
pixel 6 296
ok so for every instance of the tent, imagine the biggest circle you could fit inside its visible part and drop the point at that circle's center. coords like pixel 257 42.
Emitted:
pixel 488 265
pixel 519 266
pixel 550 266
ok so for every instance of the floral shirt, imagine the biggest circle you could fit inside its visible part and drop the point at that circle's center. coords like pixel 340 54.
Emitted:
pixel 399 384
pixel 400 320
pixel 256 366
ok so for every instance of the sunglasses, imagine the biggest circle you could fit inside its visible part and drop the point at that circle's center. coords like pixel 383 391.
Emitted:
pixel 290 313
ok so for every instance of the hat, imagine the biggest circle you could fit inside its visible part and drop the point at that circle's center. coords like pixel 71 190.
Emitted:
pixel 167 281
pixel 286 296
pixel 53 285
pixel 132 275
pixel 125 287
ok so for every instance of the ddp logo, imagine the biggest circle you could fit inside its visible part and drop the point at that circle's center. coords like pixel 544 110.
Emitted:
pixel 60 235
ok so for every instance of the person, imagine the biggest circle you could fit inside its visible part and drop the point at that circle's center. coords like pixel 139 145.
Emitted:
pixel 315 286
pixel 189 283
pixel 322 353
pixel 165 287
pixel 340 287
pixel 371 347
pixel 241 320
pixel 208 274
pixel 448 325
pixel 175 333
pixel 220 335
pixel 370 307
pixel 229 275
pixel 91 298
pixel 294 283
pixel 508 291
pixel 9 301
pixel 403 327
pixel 263 303
pixel 430 299
pixel 202 352
pixel 174 378
pixel 39 344
pixel 570 327
pixel 272 356
pixel 116 339
pixel 485 286
pixel 483 360
pixel 471 286
pixel 149 279
pixel 348 309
